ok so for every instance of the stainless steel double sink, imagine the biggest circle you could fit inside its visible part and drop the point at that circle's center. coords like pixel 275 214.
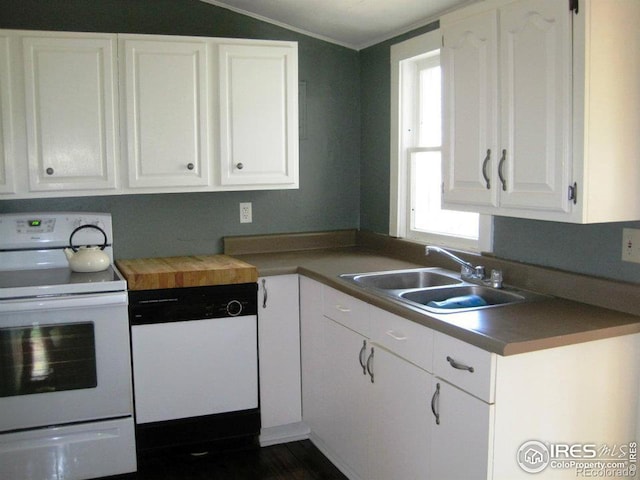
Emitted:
pixel 427 288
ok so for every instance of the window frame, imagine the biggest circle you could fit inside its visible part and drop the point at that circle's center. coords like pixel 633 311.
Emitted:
pixel 400 187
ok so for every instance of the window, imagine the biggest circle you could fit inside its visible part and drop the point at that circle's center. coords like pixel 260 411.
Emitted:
pixel 416 137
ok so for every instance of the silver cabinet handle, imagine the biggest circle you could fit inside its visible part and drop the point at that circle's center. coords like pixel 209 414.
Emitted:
pixel 434 401
pixel 240 166
pixel 459 366
pixel 49 171
pixel 361 357
pixel 500 174
pixel 264 293
pixel 190 166
pixel 370 364
pixel 484 169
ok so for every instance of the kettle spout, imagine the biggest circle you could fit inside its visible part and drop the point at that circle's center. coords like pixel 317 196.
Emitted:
pixel 69 253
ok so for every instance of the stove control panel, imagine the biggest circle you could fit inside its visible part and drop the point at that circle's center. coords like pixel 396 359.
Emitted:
pixel 19 231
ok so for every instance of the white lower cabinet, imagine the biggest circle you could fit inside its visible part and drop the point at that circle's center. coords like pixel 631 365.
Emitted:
pixel 400 418
pixel 279 359
pixel 461 439
pixel 386 398
pixel 368 408
pixel 346 407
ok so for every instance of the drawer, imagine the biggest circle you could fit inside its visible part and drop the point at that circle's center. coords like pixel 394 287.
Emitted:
pixel 468 367
pixel 346 310
pixel 405 338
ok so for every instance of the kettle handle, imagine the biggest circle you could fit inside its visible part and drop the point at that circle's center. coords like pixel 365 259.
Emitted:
pixel 87 226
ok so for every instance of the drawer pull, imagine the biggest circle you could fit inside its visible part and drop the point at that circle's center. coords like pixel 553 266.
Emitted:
pixel 264 292
pixel 396 335
pixel 370 364
pixel 459 366
pixel 500 173
pixel 434 399
pixel 361 357
pixel 342 309
pixel 484 170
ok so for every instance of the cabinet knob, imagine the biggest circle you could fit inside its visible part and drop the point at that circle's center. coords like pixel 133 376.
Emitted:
pixel 239 166
pixel 190 166
pixel 49 171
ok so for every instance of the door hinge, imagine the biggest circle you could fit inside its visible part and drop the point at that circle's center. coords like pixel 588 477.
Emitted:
pixel 573 192
pixel 573 6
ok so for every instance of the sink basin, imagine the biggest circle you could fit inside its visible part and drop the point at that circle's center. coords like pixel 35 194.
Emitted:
pixel 419 286
pixel 491 296
pixel 405 279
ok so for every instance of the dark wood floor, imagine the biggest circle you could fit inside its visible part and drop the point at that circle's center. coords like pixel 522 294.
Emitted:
pixel 291 461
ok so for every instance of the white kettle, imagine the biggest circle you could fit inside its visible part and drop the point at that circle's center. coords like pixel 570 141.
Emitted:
pixel 87 258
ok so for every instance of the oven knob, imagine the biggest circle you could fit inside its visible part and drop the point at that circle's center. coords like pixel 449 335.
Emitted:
pixel 234 308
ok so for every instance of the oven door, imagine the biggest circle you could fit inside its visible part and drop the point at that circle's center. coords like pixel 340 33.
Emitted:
pixel 64 360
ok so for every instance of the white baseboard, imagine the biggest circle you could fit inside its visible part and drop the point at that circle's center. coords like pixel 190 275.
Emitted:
pixel 284 433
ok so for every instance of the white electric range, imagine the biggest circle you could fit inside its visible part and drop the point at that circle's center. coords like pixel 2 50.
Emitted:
pixel 65 364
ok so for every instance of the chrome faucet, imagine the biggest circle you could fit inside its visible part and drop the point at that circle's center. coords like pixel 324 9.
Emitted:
pixel 469 272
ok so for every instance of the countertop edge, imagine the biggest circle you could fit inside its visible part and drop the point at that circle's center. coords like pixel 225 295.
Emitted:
pixel 620 323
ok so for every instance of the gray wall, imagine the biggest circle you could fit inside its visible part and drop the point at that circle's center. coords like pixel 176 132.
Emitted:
pixel 590 249
pixel 194 223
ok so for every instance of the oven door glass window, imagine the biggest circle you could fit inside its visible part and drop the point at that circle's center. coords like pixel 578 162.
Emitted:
pixel 47 358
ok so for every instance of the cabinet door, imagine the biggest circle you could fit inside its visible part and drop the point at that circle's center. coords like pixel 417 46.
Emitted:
pixel 401 419
pixel 348 396
pixel 71 111
pixel 535 79
pixel 258 115
pixel 312 356
pixel 279 350
pixel 165 83
pixel 461 439
pixel 7 184
pixel 470 123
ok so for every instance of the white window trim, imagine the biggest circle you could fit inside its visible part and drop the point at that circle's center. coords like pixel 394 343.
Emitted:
pixel 399 167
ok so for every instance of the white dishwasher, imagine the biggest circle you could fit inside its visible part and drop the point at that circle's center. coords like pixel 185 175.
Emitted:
pixel 195 367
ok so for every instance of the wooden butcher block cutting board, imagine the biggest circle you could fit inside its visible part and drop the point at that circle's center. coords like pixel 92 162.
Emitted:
pixel 191 271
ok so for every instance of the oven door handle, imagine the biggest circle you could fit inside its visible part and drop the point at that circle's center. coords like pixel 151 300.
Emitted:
pixel 67 301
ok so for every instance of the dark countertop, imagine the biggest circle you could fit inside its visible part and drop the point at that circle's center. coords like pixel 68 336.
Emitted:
pixel 505 330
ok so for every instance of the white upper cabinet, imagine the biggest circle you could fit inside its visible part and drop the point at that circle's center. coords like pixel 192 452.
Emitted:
pixel 102 114
pixel 535 80
pixel 7 184
pixel 470 116
pixel 258 115
pixel 508 147
pixel 165 89
pixel 71 111
pixel 539 113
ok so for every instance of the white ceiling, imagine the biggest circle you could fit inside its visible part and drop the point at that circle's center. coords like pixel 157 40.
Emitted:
pixel 355 24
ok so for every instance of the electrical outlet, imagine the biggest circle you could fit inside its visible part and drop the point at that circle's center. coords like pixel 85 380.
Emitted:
pixel 245 213
pixel 631 245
